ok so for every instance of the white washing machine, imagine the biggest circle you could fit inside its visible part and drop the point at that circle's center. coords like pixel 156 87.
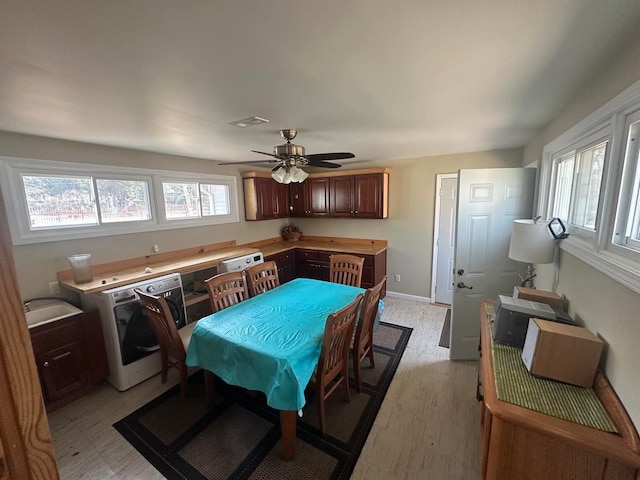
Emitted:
pixel 240 263
pixel 131 344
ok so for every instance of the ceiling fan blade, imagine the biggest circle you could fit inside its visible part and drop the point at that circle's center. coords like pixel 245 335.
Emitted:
pixel 249 161
pixel 265 153
pixel 320 163
pixel 276 167
pixel 329 156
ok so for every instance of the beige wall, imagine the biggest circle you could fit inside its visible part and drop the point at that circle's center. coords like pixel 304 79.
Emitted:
pixel 38 264
pixel 409 228
pixel 605 306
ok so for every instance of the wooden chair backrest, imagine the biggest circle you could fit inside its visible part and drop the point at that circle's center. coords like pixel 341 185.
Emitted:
pixel 262 277
pixel 346 269
pixel 336 342
pixel 226 289
pixel 163 324
pixel 368 312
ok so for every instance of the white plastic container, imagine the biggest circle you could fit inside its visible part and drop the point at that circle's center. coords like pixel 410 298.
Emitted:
pixel 81 267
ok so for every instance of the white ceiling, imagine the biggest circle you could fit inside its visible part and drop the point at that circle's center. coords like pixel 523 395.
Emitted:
pixel 381 79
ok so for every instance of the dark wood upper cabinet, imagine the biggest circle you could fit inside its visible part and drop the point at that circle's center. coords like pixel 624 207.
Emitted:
pixel 265 199
pixel 350 194
pixel 298 200
pixel 370 196
pixel 342 196
pixel 360 196
pixel 318 189
pixel 310 198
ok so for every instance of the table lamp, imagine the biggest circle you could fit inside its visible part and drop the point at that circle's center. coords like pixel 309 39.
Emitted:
pixel 532 241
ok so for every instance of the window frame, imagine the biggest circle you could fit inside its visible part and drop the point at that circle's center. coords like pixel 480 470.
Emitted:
pixel 11 184
pixel 599 249
pixel 142 178
pixel 628 196
pixel 178 177
pixel 575 149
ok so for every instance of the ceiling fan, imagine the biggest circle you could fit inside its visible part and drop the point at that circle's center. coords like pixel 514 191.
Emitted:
pixel 290 157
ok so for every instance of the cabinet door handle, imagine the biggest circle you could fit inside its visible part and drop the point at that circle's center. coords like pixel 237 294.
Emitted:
pixel 356 212
pixel 46 364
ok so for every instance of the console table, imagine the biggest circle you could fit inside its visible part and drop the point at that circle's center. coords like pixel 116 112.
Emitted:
pixel 523 444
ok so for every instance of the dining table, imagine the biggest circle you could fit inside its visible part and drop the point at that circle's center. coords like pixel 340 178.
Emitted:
pixel 271 343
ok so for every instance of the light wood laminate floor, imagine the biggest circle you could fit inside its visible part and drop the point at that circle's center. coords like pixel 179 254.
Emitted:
pixel 428 426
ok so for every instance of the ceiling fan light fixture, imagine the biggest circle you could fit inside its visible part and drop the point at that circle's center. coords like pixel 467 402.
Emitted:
pixel 289 150
pixel 278 175
pixel 289 175
pixel 298 175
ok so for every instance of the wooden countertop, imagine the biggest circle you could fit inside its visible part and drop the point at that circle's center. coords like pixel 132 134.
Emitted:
pixel 132 270
pixel 364 247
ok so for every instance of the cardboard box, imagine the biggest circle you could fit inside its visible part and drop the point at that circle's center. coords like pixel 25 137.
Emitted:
pixel 542 296
pixel 561 352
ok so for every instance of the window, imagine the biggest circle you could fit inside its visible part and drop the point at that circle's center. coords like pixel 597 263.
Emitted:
pixel 590 178
pixel 627 230
pixel 193 200
pixel 65 201
pixel 56 200
pixel 214 199
pixel 123 200
pixel 562 191
pixel 180 200
pixel 578 176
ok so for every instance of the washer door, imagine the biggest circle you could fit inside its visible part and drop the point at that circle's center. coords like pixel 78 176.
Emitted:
pixel 137 338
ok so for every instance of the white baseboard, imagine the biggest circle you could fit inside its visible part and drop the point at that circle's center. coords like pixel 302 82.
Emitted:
pixel 406 296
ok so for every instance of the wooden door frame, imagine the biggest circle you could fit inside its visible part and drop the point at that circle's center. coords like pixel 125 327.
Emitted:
pixel 436 228
pixel 26 448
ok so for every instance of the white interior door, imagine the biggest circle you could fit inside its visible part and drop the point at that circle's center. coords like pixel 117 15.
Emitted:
pixel 489 200
pixel 445 239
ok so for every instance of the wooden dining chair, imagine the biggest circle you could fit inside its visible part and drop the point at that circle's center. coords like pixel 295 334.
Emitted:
pixel 362 345
pixel 333 366
pixel 262 277
pixel 226 289
pixel 173 342
pixel 346 269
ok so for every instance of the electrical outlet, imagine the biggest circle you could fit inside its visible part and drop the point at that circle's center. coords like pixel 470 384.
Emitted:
pixel 155 248
pixel 397 277
pixel 54 288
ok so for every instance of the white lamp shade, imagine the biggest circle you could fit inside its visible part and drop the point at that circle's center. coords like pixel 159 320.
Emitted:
pixel 531 242
pixel 278 175
pixel 298 175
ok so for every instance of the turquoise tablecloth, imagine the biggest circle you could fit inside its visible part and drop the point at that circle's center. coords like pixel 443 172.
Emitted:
pixel 271 342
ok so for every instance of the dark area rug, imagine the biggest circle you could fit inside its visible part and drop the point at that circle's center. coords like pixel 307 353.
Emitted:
pixel 238 437
pixel 446 330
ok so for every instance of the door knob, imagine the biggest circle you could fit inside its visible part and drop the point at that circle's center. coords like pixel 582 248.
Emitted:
pixel 462 285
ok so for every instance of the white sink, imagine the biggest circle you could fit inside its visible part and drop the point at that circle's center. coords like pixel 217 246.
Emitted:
pixel 41 312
